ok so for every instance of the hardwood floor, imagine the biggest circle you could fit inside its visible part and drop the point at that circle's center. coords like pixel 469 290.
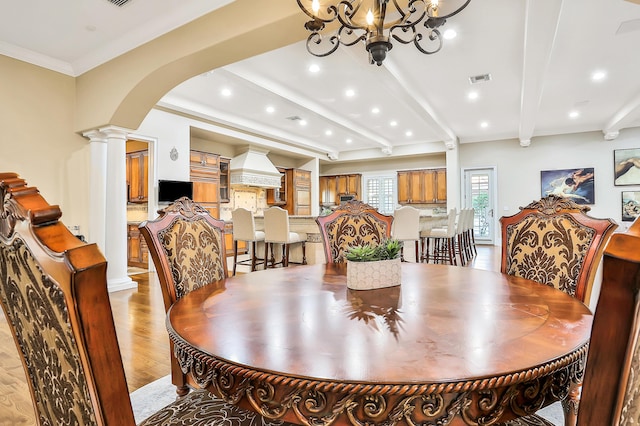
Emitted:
pixel 144 343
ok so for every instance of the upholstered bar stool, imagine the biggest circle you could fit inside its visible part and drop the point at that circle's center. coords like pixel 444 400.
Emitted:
pixel 440 242
pixel 276 231
pixel 406 228
pixel 244 229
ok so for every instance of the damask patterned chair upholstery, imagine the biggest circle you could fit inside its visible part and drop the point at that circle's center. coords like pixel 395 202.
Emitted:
pixel 53 289
pixel 553 241
pixel 187 246
pixel 353 223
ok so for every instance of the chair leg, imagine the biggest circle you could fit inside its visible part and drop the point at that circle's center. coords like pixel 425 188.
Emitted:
pixel 402 254
pixel 285 255
pixel 235 256
pixel 304 253
pixel 417 251
pixel 254 257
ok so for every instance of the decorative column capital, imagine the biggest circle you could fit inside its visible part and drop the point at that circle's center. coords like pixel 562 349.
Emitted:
pixel 451 143
pixel 115 132
pixel 95 136
pixel 610 135
pixel 525 142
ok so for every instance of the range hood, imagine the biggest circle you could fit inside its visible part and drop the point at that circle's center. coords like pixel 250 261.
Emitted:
pixel 253 168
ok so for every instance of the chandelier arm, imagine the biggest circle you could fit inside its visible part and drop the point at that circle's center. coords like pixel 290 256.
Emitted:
pixel 349 32
pixel 435 35
pixel 455 12
pixel 332 13
pixel 317 39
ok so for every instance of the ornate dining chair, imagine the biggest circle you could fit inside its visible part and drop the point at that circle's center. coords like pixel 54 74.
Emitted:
pixel 53 290
pixel 553 241
pixel 610 392
pixel 353 223
pixel 406 228
pixel 187 246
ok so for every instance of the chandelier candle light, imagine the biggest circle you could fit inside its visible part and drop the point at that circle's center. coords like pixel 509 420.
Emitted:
pixel 375 24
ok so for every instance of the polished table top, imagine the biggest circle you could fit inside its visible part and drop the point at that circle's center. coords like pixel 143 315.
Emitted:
pixel 445 330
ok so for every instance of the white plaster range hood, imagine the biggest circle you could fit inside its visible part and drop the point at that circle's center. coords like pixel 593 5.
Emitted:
pixel 253 168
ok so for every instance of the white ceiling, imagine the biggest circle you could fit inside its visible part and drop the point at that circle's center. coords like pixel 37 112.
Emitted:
pixel 540 55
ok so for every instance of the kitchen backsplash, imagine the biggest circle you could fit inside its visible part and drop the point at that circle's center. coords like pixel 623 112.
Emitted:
pixel 250 198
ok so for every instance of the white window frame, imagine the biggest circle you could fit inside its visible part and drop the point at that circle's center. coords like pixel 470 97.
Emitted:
pixel 381 176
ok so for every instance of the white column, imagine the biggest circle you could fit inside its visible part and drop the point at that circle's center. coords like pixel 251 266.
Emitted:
pixel 453 178
pixel 97 188
pixel 116 210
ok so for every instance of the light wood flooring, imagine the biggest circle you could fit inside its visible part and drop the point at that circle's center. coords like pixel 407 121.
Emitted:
pixel 144 343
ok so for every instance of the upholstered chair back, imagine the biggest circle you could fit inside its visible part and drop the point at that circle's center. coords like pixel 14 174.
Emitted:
pixel 553 241
pixel 54 294
pixel 244 225
pixel 187 246
pixel 276 225
pixel 406 224
pixel 353 223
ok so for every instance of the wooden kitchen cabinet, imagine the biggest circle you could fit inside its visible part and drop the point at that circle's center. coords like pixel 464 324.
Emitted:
pixel 137 250
pixel 224 180
pixel 137 171
pixel 204 168
pixel 294 194
pixel 332 187
pixel 278 196
pixel 298 192
pixel 427 186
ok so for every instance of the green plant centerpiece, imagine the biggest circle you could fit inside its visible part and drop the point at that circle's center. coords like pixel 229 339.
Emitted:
pixel 372 266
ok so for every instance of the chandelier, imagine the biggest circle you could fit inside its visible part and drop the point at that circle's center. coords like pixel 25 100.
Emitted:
pixel 376 22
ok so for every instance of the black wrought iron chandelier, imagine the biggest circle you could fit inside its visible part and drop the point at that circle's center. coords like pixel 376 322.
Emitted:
pixel 376 22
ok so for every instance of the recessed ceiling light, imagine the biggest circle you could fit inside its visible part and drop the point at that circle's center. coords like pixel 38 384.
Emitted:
pixel 225 92
pixel 375 110
pixel 484 124
pixel 449 34
pixel 303 122
pixel 314 68
pixel 350 93
pixel 409 133
pixel 393 123
pixel 270 109
pixel 574 114
pixel 328 132
pixel 472 96
pixel 598 76
pixel 349 140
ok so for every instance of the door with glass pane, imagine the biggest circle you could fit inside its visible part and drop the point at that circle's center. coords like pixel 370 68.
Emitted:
pixel 479 194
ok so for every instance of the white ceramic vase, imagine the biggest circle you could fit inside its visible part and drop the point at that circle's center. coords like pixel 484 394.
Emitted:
pixel 372 275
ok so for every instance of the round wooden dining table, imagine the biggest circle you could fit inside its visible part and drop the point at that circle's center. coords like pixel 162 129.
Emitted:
pixel 450 345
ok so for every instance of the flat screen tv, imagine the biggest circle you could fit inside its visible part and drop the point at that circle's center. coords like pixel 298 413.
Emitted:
pixel 171 190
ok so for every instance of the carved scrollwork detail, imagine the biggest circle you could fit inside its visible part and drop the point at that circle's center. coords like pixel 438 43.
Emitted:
pixel 552 204
pixel 185 207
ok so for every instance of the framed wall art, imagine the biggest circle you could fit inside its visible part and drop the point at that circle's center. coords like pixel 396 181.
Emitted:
pixel 630 205
pixel 627 166
pixel 574 184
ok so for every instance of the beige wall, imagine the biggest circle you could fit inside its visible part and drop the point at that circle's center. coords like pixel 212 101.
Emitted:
pixel 37 109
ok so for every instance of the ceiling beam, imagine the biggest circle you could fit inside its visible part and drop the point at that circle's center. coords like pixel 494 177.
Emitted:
pixel 626 116
pixel 542 18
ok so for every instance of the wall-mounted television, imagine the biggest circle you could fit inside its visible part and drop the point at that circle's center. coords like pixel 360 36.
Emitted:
pixel 171 190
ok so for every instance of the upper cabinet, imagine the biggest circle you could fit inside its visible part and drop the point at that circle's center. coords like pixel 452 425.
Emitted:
pixel 205 175
pixel 224 179
pixel 422 186
pixel 332 187
pixel 294 194
pixel 138 176
pixel 278 196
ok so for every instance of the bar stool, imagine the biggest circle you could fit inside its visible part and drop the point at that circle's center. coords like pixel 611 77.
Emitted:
pixel 406 227
pixel 244 229
pixel 443 240
pixel 276 230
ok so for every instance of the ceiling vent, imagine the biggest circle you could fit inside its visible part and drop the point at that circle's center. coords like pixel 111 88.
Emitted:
pixel 479 78
pixel 119 3
pixel 294 118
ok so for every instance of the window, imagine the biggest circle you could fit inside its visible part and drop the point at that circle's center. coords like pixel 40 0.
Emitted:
pixel 380 192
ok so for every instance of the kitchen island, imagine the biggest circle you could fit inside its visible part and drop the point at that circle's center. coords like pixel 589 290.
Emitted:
pixel 314 250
